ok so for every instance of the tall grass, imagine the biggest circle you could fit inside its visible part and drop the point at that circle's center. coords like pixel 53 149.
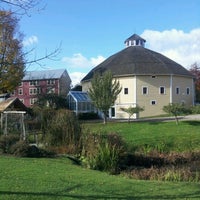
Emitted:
pixel 102 152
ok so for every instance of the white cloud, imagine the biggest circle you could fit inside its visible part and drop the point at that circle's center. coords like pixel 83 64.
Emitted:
pixel 80 61
pixel 30 41
pixel 76 77
pixel 180 46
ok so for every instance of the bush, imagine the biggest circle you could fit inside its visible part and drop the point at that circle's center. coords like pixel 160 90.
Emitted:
pixel 64 130
pixel 165 174
pixel 23 149
pixel 6 142
pixel 102 152
pixel 195 109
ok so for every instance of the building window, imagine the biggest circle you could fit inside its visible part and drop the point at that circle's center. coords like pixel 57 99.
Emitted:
pixel 21 84
pixel 34 82
pixel 187 90
pixel 125 90
pixel 34 91
pixel 144 90
pixel 162 90
pixel 13 93
pixel 177 90
pixel 22 100
pixel 153 102
pixel 33 100
pixel 50 81
pixel 20 91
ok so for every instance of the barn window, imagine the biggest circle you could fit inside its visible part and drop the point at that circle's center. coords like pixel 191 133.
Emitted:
pixel 162 90
pixel 187 90
pixel 177 90
pixel 125 90
pixel 153 102
pixel 144 90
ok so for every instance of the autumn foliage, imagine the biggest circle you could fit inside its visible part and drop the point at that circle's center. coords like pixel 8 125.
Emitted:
pixel 195 70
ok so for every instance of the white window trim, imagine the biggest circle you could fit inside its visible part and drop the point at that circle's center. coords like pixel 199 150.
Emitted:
pixel 33 82
pixel 151 102
pixel 179 92
pixel 187 88
pixel 20 93
pixel 33 100
pixel 35 91
pixel 143 90
pixel 125 90
pixel 51 82
pixel 160 90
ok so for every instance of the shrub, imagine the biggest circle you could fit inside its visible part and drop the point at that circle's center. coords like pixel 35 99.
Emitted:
pixel 23 149
pixel 64 130
pixel 195 109
pixel 102 152
pixel 6 141
pixel 165 174
pixel 20 149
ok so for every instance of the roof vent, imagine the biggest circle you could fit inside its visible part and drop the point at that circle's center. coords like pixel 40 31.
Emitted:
pixel 135 40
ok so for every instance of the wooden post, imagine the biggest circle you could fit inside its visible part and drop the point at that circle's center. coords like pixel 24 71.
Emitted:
pixel 23 126
pixel 6 124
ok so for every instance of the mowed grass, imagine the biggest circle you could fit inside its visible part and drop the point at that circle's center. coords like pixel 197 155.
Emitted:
pixel 182 137
pixel 59 178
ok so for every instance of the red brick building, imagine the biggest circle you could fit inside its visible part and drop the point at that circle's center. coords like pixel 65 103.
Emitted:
pixel 36 83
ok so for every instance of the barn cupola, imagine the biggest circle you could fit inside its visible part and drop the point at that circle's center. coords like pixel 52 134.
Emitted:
pixel 135 40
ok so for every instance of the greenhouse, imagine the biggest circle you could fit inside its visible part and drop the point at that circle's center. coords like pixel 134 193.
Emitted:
pixel 80 102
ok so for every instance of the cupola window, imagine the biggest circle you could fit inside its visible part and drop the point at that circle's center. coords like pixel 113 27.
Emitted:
pixel 135 40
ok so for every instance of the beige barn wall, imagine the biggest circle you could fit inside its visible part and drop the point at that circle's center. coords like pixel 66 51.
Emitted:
pixel 85 86
pixel 135 96
pixel 183 83
pixel 153 84
pixel 125 100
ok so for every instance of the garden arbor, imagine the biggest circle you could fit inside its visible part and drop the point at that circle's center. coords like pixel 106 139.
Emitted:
pixel 12 117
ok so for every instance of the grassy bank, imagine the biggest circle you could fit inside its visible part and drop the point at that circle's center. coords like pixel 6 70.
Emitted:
pixel 166 136
pixel 27 179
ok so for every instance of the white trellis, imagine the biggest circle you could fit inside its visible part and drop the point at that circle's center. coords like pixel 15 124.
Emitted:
pixel 4 122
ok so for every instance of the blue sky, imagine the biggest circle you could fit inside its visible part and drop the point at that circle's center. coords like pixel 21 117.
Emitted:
pixel 90 31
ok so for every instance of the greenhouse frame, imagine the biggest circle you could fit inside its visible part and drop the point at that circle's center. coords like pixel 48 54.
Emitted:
pixel 80 102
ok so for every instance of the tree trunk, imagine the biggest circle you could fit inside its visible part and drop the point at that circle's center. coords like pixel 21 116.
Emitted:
pixel 104 118
pixel 176 117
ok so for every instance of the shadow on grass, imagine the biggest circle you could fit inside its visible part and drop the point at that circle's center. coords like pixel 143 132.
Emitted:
pixel 192 123
pixel 59 194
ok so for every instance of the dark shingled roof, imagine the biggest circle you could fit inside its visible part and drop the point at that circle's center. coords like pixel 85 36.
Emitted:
pixel 137 60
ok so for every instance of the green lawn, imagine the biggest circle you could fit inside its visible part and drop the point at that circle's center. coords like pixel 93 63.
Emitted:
pixel 27 179
pixel 182 137
pixel 59 178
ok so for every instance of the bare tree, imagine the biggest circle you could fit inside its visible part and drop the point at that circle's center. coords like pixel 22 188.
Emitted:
pixel 20 7
pixel 9 19
pixel 12 58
